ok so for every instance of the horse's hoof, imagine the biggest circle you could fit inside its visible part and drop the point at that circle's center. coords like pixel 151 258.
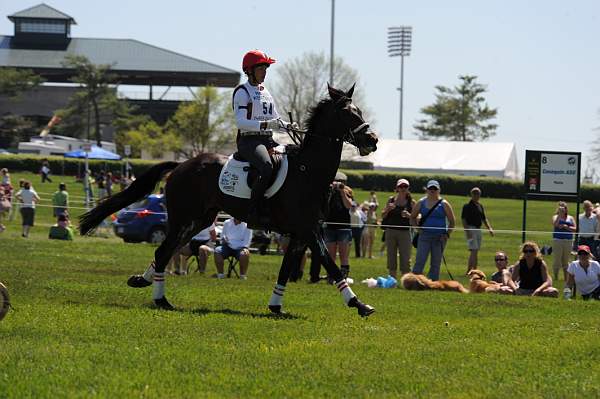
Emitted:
pixel 276 309
pixel 163 304
pixel 364 310
pixel 138 281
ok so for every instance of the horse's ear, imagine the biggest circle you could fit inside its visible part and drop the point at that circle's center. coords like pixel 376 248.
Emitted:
pixel 351 91
pixel 334 93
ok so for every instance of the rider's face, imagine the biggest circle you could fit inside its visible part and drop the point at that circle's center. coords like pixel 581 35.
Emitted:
pixel 260 73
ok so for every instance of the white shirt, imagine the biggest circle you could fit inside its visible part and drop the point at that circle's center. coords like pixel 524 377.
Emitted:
pixel 586 282
pixel 588 226
pixel 236 236
pixel 253 107
pixel 27 197
pixel 357 218
pixel 204 235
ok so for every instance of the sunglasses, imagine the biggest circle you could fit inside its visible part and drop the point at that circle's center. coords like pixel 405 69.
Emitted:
pixel 529 251
pixel 582 253
pixel 499 259
pixel 432 188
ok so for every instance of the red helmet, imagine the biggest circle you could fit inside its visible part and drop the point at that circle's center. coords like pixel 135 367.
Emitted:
pixel 255 57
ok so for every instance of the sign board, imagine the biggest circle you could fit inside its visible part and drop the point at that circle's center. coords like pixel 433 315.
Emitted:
pixel 552 172
pixel 127 150
pixel 87 147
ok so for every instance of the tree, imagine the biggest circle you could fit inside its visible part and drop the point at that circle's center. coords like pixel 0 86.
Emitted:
pixel 458 114
pixel 204 124
pixel 151 137
pixel 13 82
pixel 15 128
pixel 96 102
pixel 301 82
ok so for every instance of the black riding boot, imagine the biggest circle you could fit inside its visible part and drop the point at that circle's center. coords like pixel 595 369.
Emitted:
pixel 258 214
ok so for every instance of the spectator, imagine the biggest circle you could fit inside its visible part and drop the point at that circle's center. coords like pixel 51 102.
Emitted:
pixel 45 171
pixel 584 273
pixel 235 240
pixel 88 188
pixel 7 187
pixel 337 231
pixel 61 230
pixel 397 239
pixel 368 236
pixel 564 226
pixel 357 221
pixel 434 232
pixel 503 273
pixel 108 183
pixel 101 184
pixel 588 227
pixel 28 198
pixel 5 207
pixel 201 245
pixel 531 273
pixel 473 216
pixel 60 200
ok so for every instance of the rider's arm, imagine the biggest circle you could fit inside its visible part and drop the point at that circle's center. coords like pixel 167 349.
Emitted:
pixel 242 109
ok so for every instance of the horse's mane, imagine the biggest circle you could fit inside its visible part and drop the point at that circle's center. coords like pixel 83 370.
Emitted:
pixel 315 113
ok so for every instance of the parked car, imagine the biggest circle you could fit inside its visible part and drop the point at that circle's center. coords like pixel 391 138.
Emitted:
pixel 145 220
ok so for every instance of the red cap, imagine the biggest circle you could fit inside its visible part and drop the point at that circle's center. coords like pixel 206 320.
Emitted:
pixel 584 248
pixel 256 57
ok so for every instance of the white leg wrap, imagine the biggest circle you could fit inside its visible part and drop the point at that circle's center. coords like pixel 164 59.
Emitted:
pixel 158 288
pixel 149 273
pixel 345 290
pixel 277 295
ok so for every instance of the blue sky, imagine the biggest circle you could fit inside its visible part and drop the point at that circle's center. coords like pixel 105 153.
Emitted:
pixel 539 59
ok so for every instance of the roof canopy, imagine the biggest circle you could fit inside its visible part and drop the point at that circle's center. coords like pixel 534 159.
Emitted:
pixel 456 157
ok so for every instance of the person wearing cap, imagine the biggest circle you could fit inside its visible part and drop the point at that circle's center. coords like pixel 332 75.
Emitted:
pixel 256 119
pixel 473 216
pixel 583 273
pixel 396 222
pixel 337 231
pixel 434 232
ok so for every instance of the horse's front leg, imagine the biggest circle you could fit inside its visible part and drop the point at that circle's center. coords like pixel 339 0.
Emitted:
pixel 317 244
pixel 291 260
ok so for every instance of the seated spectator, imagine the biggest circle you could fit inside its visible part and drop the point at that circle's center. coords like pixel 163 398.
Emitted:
pixel 531 273
pixel 235 240
pixel 585 274
pixel 61 230
pixel 201 245
pixel 503 273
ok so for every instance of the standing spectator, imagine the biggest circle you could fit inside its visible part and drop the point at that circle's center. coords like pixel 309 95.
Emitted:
pixel 5 207
pixel 584 273
pixel 28 198
pixel 397 239
pixel 357 221
pixel 45 171
pixel 235 241
pixel 108 183
pixel 473 216
pixel 201 245
pixel 368 236
pixel 531 273
pixel 88 188
pixel 101 184
pixel 564 226
pixel 588 227
pixel 60 200
pixel 337 231
pixel 438 223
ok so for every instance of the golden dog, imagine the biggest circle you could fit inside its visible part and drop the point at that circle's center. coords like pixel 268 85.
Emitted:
pixel 479 284
pixel 418 282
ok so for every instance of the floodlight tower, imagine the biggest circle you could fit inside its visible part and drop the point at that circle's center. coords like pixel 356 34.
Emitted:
pixel 399 42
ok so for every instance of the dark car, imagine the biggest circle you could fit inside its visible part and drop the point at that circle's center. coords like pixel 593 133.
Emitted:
pixel 145 220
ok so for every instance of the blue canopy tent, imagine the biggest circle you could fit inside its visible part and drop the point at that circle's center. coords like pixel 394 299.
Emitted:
pixel 95 153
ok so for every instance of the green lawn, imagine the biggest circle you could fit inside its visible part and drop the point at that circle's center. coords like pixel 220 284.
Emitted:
pixel 77 330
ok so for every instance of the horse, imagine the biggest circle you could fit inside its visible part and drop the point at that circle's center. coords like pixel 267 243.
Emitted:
pixel 193 198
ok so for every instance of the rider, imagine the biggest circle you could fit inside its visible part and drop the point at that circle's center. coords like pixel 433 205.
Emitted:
pixel 256 119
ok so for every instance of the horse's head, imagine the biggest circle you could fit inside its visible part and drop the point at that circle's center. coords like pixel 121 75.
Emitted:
pixel 354 129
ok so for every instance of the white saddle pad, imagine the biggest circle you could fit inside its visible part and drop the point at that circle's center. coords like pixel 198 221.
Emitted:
pixel 234 179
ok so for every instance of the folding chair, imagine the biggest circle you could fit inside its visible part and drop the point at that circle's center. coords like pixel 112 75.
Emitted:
pixel 233 262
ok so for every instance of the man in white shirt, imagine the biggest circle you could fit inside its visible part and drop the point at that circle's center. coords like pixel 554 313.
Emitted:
pixel 28 198
pixel 235 240
pixel 588 227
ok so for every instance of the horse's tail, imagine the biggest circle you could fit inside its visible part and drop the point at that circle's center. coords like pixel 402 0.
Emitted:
pixel 140 187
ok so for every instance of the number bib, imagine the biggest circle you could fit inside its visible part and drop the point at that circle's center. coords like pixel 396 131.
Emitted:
pixel 263 106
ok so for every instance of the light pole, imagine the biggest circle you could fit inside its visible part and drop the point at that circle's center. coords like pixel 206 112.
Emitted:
pixel 399 42
pixel 332 35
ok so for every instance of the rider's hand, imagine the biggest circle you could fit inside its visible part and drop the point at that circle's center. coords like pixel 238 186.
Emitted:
pixel 274 124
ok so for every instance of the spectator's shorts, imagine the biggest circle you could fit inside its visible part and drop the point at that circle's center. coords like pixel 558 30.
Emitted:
pixel 60 211
pixel 474 243
pixel 195 246
pixel 524 292
pixel 593 295
pixel 225 251
pixel 337 235
pixel 28 215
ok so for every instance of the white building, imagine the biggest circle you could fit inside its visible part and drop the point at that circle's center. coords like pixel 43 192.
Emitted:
pixel 54 144
pixel 465 158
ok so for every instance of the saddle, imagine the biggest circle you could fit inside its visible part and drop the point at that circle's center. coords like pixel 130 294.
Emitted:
pixel 238 176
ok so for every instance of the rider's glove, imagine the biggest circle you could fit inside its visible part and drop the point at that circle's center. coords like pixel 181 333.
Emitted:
pixel 291 126
pixel 274 124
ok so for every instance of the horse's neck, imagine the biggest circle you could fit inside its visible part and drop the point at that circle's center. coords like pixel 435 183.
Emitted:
pixel 322 158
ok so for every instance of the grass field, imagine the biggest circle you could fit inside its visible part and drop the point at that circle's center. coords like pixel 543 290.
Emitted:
pixel 78 331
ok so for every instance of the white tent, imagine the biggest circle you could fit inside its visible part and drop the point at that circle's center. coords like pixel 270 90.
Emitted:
pixel 457 157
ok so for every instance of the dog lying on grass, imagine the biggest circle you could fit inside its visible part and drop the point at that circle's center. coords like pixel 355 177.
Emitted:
pixel 479 284
pixel 418 282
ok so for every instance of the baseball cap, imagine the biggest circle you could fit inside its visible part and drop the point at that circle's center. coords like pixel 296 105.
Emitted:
pixel 402 181
pixel 433 183
pixel 584 248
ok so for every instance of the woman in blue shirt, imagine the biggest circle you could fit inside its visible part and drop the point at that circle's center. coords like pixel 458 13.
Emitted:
pixel 562 239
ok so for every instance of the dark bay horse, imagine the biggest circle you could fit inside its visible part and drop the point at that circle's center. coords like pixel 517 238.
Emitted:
pixel 194 198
